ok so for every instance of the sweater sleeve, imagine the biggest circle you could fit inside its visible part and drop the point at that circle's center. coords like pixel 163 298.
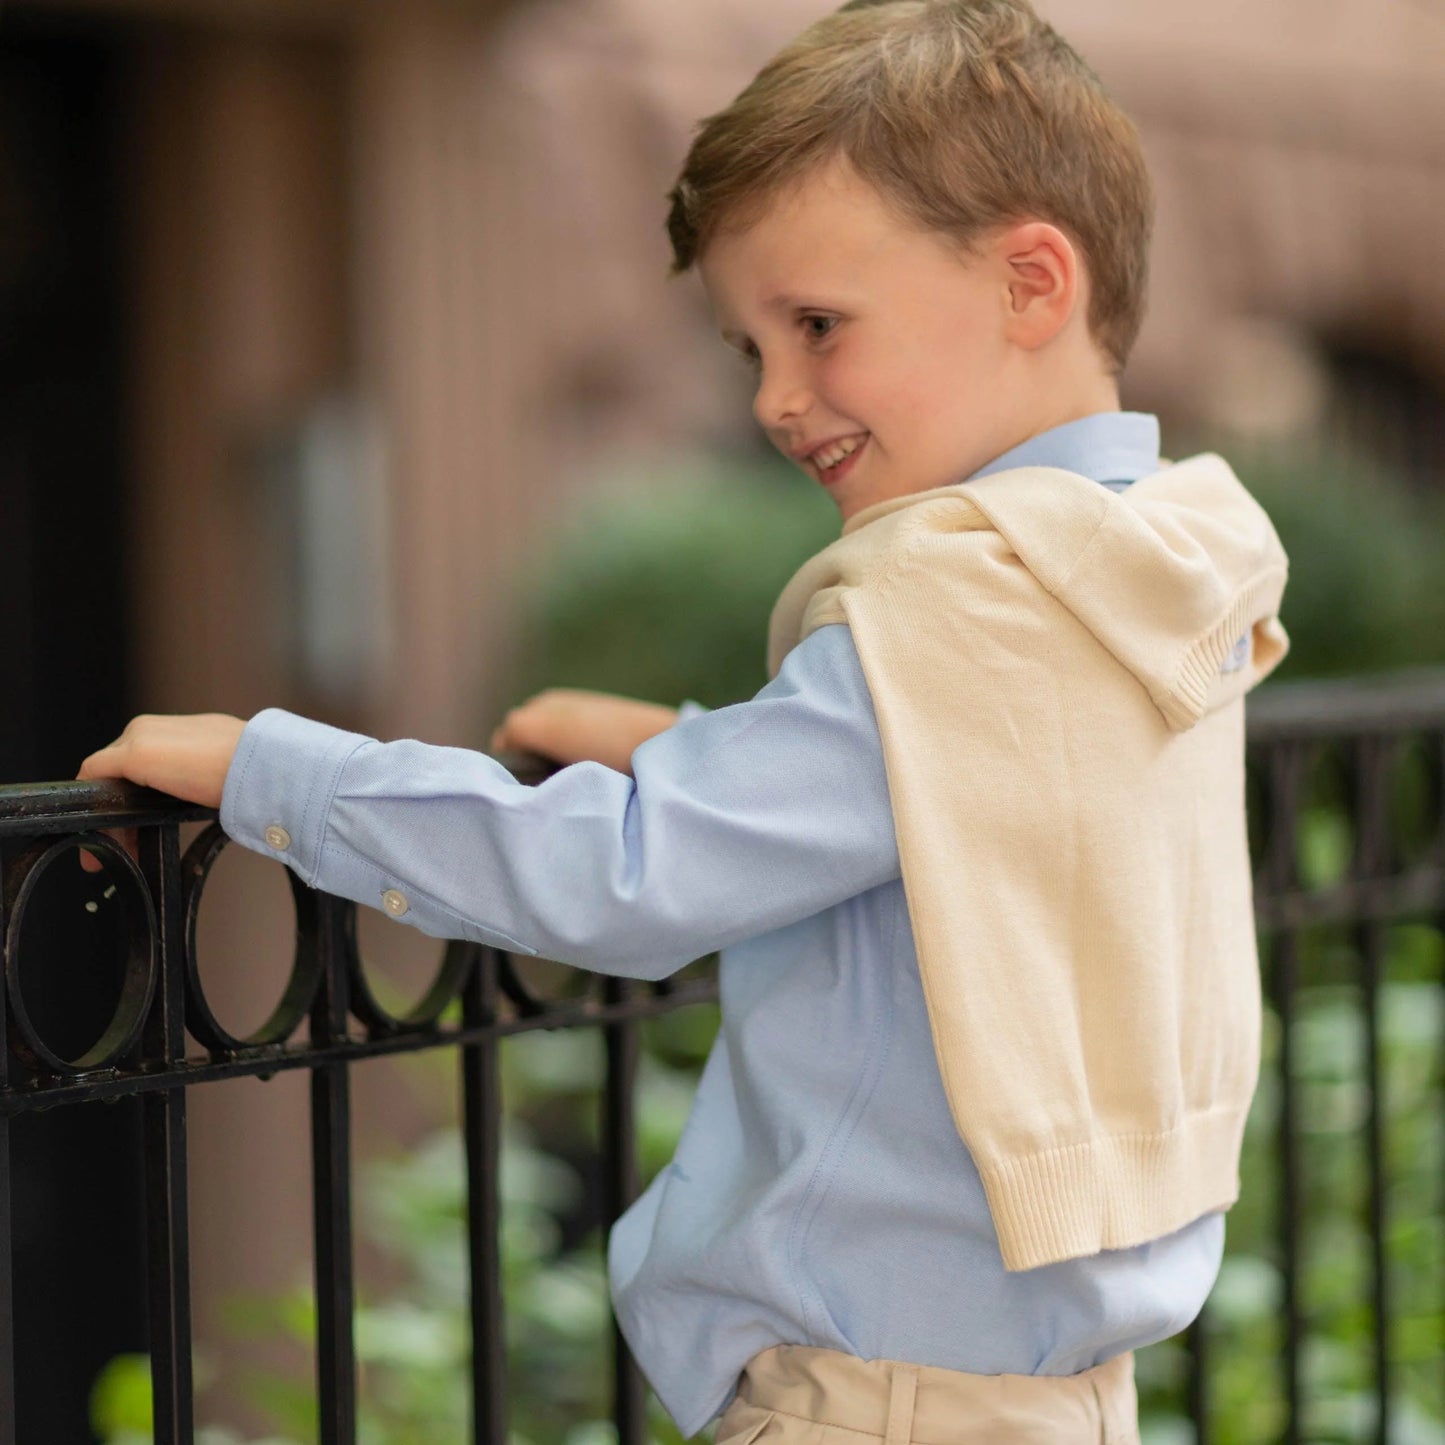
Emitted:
pixel 736 822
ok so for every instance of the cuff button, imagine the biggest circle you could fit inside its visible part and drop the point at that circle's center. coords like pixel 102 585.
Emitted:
pixel 394 902
pixel 278 838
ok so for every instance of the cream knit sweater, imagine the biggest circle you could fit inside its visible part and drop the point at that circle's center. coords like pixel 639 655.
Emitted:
pixel 1058 673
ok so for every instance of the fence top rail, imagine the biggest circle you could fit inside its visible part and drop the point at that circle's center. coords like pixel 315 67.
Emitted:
pixel 1402 701
pixel 30 809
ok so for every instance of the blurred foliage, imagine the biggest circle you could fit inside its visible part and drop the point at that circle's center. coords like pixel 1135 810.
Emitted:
pixel 661 586
pixel 662 590
pixel 1366 589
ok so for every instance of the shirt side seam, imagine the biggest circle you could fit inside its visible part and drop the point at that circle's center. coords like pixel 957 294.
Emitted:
pixel 835 1147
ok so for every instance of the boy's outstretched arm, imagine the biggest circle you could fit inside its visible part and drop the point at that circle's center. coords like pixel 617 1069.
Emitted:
pixel 188 756
pixel 736 823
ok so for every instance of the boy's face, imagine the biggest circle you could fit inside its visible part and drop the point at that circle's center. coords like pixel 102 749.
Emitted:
pixel 883 363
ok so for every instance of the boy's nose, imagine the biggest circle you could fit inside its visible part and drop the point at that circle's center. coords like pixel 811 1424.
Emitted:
pixel 779 400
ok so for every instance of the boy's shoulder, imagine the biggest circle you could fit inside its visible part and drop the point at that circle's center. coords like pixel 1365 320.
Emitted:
pixel 924 549
pixel 1166 579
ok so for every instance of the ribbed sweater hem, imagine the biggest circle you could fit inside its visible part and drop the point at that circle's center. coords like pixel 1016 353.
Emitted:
pixel 1114 1191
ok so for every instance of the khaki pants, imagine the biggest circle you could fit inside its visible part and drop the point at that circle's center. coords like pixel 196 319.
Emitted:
pixel 796 1395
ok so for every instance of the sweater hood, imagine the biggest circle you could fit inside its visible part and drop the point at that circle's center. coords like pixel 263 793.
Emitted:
pixel 1179 576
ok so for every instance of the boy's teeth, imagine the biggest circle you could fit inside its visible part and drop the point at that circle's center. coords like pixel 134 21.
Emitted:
pixel 835 454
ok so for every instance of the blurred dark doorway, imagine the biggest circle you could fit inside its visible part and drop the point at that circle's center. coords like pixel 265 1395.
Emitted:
pixel 76 1173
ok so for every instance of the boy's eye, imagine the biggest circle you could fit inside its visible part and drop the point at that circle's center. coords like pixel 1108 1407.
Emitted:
pixel 748 354
pixel 817 327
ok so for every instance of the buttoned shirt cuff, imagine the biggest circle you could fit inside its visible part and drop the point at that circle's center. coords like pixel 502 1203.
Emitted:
pixel 280 785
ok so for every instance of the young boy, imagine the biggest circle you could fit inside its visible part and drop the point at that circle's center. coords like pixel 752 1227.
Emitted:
pixel 975 856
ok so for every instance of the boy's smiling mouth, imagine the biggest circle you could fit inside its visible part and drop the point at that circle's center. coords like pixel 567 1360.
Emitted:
pixel 832 459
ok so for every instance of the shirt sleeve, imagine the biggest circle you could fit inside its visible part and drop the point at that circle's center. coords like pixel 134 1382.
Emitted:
pixel 735 822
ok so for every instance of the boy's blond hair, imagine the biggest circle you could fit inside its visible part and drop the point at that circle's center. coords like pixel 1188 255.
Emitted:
pixel 965 114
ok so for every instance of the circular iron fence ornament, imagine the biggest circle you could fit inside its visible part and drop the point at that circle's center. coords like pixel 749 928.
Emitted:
pixel 306 964
pixel 457 962
pixel 141 963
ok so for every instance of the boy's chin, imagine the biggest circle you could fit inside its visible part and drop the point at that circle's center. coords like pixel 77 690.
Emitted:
pixel 852 497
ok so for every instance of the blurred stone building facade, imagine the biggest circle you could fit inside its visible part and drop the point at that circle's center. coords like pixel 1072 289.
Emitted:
pixel 392 276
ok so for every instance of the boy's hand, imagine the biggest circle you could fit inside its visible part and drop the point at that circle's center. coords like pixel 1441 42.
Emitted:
pixel 569 725
pixel 185 756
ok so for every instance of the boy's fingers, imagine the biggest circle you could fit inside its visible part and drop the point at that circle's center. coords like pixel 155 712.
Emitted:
pixel 93 862
pixel 108 762
pixel 517 731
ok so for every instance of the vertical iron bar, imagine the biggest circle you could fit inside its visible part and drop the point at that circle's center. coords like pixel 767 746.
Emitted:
pixel 1371 942
pixel 619 1186
pixel 331 1184
pixel 7 1292
pixel 482 1131
pixel 1437 752
pixel 1440 927
pixel 1436 746
pixel 164 1124
pixel 1372 860
pixel 1286 767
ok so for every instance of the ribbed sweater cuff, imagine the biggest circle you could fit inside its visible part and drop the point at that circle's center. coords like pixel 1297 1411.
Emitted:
pixel 1199 669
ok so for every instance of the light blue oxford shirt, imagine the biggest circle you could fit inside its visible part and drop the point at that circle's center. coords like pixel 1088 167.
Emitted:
pixel 820 1193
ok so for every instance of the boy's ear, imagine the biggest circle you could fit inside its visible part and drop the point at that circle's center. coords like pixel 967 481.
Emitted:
pixel 1043 277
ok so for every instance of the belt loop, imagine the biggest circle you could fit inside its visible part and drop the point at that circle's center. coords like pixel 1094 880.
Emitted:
pixel 1113 1426
pixel 902 1390
pixel 1106 1431
pixel 1118 1400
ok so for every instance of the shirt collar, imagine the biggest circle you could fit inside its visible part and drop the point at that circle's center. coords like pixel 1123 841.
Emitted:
pixel 1109 446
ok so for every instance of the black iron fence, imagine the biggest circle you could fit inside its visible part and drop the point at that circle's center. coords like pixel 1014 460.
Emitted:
pixel 1347 834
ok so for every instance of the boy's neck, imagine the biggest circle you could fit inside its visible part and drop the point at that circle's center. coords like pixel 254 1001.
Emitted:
pixel 1092 396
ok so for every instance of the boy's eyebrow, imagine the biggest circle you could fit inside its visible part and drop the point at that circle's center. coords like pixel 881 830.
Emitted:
pixel 785 301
